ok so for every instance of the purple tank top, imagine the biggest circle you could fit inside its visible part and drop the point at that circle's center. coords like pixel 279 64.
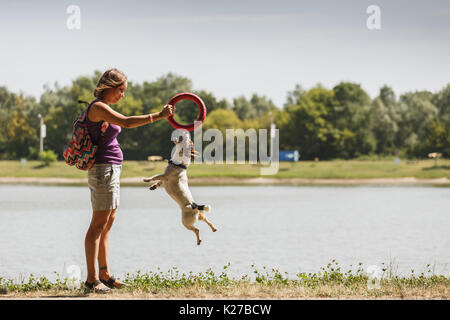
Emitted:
pixel 108 147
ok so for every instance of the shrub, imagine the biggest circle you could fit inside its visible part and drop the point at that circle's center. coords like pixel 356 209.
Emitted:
pixel 48 157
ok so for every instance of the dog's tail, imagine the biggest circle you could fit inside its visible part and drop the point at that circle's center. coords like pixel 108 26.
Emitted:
pixel 201 207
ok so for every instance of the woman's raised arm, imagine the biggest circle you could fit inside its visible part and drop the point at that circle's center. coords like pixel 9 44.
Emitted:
pixel 100 111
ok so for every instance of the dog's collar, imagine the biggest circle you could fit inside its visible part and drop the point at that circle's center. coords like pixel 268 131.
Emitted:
pixel 178 165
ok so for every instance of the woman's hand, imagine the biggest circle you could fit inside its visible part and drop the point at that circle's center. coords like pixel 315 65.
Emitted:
pixel 167 111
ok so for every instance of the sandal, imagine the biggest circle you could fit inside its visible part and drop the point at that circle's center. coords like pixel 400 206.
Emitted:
pixel 92 287
pixel 111 281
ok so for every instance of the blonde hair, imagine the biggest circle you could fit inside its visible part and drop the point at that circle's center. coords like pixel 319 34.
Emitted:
pixel 112 78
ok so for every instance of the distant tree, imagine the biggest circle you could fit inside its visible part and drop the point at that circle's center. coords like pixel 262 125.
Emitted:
pixel 293 97
pixel 387 96
pixel 383 127
pixel 438 131
pixel 158 93
pixel 384 116
pixel 243 108
pixel 262 105
pixel 19 134
pixel 253 108
pixel 438 138
pixel 7 99
pixel 17 124
pixel 350 115
pixel 304 127
pixel 7 102
pixel 222 119
pixel 442 101
pixel 417 112
pixel 348 97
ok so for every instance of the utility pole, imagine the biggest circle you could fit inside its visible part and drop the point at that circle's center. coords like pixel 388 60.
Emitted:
pixel 42 132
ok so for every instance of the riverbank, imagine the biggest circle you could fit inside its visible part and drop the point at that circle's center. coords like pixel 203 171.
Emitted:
pixel 252 291
pixel 241 181
pixel 330 283
pixel 337 172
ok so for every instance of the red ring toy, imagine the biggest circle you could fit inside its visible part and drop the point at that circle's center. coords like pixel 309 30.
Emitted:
pixel 199 102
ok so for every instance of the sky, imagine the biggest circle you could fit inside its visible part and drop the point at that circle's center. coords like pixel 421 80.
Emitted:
pixel 229 48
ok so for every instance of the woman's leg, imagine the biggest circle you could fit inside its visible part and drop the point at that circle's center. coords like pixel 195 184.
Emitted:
pixel 92 241
pixel 105 273
pixel 103 248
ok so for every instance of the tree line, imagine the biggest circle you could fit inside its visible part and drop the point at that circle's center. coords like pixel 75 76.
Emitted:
pixel 342 122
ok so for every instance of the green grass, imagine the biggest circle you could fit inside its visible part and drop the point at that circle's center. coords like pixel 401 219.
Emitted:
pixel 331 281
pixel 337 169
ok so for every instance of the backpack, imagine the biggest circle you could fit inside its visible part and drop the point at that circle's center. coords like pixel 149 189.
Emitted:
pixel 80 151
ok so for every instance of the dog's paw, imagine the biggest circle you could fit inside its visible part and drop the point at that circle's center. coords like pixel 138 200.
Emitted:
pixel 214 230
pixel 153 187
pixel 147 179
pixel 207 208
pixel 198 242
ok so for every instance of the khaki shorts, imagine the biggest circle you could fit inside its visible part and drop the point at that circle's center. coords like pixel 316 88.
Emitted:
pixel 104 183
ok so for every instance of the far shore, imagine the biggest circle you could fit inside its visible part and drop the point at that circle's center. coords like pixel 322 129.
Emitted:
pixel 335 172
pixel 136 181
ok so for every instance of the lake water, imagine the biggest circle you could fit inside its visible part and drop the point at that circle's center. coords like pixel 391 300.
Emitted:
pixel 292 228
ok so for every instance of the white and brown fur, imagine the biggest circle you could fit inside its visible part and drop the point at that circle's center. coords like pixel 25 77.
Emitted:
pixel 175 181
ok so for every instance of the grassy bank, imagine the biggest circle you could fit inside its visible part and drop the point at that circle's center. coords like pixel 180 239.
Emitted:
pixel 330 282
pixel 337 169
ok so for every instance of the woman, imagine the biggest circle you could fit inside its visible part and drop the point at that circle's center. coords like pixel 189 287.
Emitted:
pixel 104 177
